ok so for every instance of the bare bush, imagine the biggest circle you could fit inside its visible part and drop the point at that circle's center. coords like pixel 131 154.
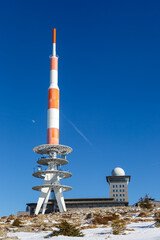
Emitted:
pixel 157 219
pixel 105 219
pixel 142 214
pixel 118 227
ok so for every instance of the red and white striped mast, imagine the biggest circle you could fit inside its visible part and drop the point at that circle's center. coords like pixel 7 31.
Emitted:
pixel 53 98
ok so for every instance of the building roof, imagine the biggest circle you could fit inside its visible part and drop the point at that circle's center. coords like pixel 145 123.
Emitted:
pixel 82 200
pixel 117 178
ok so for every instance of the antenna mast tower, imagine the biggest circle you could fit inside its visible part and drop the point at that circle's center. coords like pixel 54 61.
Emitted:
pixel 53 154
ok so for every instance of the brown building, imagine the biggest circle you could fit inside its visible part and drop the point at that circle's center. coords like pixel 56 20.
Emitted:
pixel 78 203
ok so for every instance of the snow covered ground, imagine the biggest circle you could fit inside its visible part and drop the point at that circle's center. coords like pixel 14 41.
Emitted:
pixel 141 231
pixel 95 224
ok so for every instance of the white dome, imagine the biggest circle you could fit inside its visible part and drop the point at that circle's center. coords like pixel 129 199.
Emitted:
pixel 118 172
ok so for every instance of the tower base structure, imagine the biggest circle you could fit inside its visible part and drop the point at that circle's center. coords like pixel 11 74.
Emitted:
pixel 53 156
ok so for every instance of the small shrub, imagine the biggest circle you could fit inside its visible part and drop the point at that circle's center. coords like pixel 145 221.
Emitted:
pixel 142 214
pixel 12 217
pixel 157 219
pixel 105 219
pixel 66 216
pixel 8 220
pixel 16 223
pixel 145 203
pixel 100 220
pixel 66 229
pixel 89 215
pixel 123 213
pixel 118 227
pixel 130 229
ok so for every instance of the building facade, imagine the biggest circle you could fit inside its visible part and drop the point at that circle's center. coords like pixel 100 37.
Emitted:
pixel 118 185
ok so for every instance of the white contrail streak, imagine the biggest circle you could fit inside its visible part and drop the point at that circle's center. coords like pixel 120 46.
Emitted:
pixel 77 130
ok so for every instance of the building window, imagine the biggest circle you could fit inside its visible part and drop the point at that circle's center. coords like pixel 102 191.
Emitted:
pixel 119 185
pixel 120 199
pixel 116 190
pixel 116 185
pixel 116 199
pixel 120 195
pixel 116 195
pixel 113 190
pixel 120 190
pixel 123 190
pixel 113 185
pixel 123 185
pixel 113 195
pixel 123 199
pixel 123 195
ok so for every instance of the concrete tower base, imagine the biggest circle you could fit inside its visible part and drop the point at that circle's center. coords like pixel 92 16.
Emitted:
pixel 53 157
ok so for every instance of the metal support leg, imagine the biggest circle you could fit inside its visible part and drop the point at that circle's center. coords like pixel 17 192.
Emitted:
pixel 60 199
pixel 41 199
pixel 46 201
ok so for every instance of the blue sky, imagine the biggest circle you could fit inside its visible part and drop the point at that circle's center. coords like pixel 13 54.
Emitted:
pixel 109 79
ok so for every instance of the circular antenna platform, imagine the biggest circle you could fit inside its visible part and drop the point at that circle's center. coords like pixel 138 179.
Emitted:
pixel 41 174
pixel 65 188
pixel 45 161
pixel 46 149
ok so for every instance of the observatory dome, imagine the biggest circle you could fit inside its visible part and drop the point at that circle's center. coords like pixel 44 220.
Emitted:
pixel 118 172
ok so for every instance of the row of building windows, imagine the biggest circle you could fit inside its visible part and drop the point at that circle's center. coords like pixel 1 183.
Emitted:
pixel 120 199
pixel 117 186
pixel 119 195
pixel 119 190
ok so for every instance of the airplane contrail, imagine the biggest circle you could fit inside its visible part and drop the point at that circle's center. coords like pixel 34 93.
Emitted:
pixel 77 130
